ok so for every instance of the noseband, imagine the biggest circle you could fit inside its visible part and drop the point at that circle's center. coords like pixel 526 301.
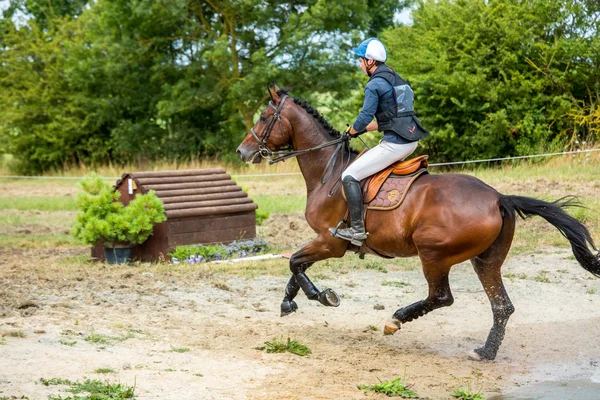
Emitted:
pixel 263 149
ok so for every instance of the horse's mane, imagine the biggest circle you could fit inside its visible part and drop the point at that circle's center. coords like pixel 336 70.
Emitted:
pixel 312 111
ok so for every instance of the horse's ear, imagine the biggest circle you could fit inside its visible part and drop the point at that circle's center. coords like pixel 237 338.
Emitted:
pixel 275 87
pixel 273 93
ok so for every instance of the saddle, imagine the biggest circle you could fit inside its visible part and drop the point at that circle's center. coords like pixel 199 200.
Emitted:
pixel 387 189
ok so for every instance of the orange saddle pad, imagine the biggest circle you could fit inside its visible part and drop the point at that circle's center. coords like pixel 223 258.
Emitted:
pixel 381 193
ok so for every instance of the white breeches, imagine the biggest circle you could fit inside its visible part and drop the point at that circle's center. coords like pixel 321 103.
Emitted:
pixel 378 158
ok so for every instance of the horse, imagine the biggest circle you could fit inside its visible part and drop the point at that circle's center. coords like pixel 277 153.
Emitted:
pixel 445 219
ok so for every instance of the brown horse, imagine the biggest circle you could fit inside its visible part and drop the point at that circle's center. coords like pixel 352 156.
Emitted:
pixel 445 220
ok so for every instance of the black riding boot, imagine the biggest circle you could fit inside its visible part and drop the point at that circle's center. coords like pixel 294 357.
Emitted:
pixel 356 232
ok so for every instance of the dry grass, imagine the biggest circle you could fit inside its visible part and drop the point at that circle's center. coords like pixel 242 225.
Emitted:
pixel 24 232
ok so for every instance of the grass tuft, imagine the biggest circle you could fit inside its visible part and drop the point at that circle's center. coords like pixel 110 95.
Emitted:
pixel 105 371
pixel 592 291
pixel 281 346
pixel 15 334
pixel 180 349
pixel 466 394
pixel 398 284
pixel 376 266
pixel 94 389
pixel 371 328
pixel 542 277
pixel 68 342
pixel 396 388
pixel 512 276
pixel 99 338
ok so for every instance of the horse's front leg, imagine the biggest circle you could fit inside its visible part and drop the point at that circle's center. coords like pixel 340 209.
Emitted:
pixel 318 249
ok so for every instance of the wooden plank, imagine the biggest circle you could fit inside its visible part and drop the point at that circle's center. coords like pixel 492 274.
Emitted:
pixel 183 179
pixel 155 248
pixel 238 194
pixel 189 185
pixel 215 236
pixel 210 223
pixel 209 203
pixel 192 212
pixel 183 172
pixel 193 192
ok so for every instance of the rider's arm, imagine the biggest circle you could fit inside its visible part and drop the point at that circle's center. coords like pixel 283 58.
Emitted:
pixel 372 126
pixel 363 121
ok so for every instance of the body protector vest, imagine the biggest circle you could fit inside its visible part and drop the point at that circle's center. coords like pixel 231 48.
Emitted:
pixel 398 115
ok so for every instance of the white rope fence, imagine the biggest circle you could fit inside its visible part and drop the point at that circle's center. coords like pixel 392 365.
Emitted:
pixel 298 173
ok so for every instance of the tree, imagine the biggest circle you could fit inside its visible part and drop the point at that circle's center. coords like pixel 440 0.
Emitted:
pixel 171 79
pixel 498 77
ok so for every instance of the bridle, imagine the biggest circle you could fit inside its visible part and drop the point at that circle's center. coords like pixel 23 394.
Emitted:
pixel 263 149
pixel 281 155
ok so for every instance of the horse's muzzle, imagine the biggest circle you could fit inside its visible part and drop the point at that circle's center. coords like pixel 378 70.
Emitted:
pixel 249 155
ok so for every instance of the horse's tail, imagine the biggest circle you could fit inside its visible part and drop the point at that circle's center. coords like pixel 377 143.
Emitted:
pixel 577 234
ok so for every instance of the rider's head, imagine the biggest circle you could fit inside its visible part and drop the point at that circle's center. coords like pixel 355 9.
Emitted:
pixel 372 54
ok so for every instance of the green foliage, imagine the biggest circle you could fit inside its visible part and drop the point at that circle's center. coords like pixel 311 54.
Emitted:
pixel 466 394
pixel 180 349
pixel 119 81
pixel 104 220
pixel 396 388
pixel 282 346
pixel 487 86
pixel 54 381
pixel 93 389
pixel 99 338
pixel 200 253
pixel 261 216
pixel 105 371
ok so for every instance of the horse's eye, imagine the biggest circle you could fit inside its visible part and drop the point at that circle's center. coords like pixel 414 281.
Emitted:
pixel 263 118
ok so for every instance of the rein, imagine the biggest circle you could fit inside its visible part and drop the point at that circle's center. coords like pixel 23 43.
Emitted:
pixel 267 153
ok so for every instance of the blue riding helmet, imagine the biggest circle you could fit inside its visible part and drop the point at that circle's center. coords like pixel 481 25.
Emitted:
pixel 371 49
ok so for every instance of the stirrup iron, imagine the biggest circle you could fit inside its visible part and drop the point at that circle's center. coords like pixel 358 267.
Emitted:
pixel 334 231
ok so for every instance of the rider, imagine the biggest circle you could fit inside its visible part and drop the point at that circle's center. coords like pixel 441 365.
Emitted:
pixel 389 99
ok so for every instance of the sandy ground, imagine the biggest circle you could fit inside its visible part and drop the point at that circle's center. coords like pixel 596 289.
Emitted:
pixel 222 319
pixel 50 298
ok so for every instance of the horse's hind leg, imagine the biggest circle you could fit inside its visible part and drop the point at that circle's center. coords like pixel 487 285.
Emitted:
pixel 488 267
pixel 439 296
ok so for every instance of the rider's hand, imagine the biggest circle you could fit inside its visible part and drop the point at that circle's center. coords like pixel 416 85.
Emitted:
pixel 350 131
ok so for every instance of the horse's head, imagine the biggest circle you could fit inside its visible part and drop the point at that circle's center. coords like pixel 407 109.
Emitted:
pixel 271 133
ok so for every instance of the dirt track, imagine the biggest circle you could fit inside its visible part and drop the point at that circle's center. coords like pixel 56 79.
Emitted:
pixel 553 335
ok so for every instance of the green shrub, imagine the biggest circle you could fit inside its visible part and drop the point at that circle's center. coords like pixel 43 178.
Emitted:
pixel 261 216
pixel 103 220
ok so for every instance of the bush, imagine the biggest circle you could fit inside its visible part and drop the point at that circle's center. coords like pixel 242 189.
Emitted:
pixel 103 220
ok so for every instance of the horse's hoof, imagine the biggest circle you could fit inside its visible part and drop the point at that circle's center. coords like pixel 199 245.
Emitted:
pixel 329 298
pixel 480 355
pixel 391 327
pixel 472 355
pixel 288 307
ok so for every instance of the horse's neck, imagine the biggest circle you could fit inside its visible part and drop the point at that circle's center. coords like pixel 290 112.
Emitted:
pixel 313 164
